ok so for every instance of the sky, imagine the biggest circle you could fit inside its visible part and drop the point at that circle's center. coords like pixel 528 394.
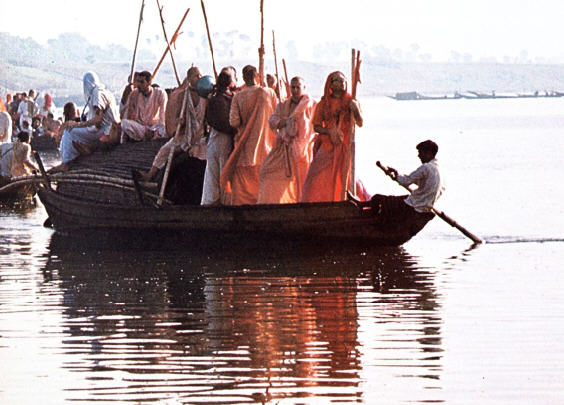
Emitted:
pixel 481 28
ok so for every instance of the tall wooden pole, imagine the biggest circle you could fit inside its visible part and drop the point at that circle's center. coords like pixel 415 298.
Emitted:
pixel 172 41
pixel 261 49
pixel 168 43
pixel 287 83
pixel 276 66
pixel 209 39
pixel 136 42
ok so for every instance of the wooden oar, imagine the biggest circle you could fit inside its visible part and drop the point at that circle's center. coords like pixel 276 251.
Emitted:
pixel 435 211
pixel 209 39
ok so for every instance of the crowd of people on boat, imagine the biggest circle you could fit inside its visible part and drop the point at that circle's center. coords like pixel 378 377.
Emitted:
pixel 259 146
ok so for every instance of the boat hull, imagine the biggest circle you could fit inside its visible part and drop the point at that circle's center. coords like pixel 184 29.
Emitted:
pixel 332 220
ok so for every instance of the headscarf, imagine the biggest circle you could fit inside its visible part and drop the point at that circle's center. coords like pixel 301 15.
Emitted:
pixel 90 82
pixel 48 101
pixel 331 109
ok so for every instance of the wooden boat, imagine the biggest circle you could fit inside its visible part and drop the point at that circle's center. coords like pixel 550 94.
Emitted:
pixel 15 191
pixel 342 220
pixel 115 205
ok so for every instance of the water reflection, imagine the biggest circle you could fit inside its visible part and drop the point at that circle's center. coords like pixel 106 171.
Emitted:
pixel 242 325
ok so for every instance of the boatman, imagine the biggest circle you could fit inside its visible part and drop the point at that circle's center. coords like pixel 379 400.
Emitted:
pixel 426 177
pixel 144 117
pixel 283 172
pixel 250 110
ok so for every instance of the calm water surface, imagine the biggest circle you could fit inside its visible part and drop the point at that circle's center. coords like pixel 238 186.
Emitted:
pixel 436 320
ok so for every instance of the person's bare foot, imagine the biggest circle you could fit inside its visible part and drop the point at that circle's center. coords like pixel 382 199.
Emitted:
pixel 62 168
pixel 81 148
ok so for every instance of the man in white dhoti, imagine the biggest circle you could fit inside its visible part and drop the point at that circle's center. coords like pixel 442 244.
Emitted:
pixel 189 121
pixel 144 117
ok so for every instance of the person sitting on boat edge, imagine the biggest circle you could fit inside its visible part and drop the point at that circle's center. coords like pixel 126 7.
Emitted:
pixel 190 137
pixel 103 118
pixel 426 177
pixel 16 157
pixel 144 116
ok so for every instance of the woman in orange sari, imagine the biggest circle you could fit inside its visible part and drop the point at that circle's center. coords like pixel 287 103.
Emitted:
pixel 333 120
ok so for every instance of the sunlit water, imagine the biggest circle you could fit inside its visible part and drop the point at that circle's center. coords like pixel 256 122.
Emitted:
pixel 436 320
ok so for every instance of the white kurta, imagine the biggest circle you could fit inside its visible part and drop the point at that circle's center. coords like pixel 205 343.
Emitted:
pixel 430 186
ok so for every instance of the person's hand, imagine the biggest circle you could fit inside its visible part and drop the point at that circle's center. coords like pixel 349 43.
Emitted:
pixel 393 173
pixel 355 107
pixel 336 136
pixel 283 122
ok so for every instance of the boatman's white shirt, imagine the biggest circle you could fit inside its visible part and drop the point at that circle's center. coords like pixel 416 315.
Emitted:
pixel 427 177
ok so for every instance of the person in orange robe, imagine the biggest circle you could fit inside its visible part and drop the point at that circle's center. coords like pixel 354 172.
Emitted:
pixel 250 110
pixel 284 170
pixel 334 119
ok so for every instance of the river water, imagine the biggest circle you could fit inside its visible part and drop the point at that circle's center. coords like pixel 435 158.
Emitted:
pixel 436 320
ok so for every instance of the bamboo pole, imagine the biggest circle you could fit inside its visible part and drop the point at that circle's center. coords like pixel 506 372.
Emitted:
pixel 173 142
pixel 349 180
pixel 209 39
pixel 435 211
pixel 276 66
pixel 168 43
pixel 287 82
pixel 172 41
pixel 136 42
pixel 261 49
pixel 42 170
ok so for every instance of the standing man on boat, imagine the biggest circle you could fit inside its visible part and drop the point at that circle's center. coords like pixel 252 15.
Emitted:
pixel 284 170
pixel 334 119
pixel 250 110
pixel 426 177
pixel 190 137
pixel 145 110
pixel 220 143
pixel 102 116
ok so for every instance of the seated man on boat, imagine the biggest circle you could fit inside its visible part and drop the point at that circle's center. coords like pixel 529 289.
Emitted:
pixel 144 111
pixel 102 119
pixel 284 170
pixel 250 110
pixel 185 125
pixel 16 157
pixel 426 177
